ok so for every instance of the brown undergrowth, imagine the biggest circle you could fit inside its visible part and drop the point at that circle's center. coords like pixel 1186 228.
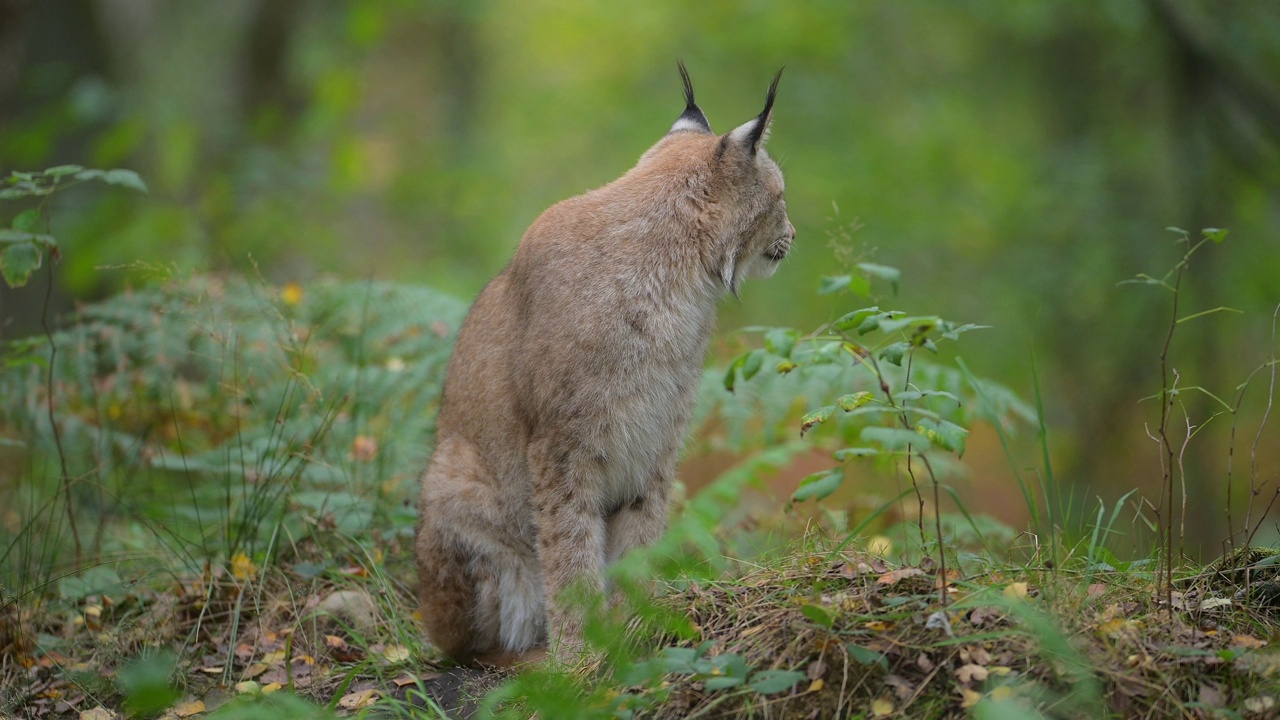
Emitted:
pixel 872 641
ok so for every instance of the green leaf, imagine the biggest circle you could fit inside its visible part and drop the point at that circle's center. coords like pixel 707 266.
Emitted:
pixel 894 438
pixel 767 682
pixel 953 333
pixel 18 262
pixel 819 485
pixel 780 341
pixel 853 401
pixel 884 272
pixel 834 284
pixel 146 684
pixel 1217 235
pixel 820 415
pixel 893 353
pixel 854 319
pixel 785 367
pixel 731 375
pixel 90 175
pixel 858 452
pixel 26 220
pixel 127 178
pixel 946 435
pixel 819 615
pixel 720 682
pixel 859 285
pixel 872 323
pixel 752 364
pixel 867 656
pixel 60 170
pixel 917 323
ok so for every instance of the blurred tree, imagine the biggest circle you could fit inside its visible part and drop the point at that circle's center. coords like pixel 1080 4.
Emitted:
pixel 1016 160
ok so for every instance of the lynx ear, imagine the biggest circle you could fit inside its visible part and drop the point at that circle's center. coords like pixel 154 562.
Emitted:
pixel 692 118
pixel 753 133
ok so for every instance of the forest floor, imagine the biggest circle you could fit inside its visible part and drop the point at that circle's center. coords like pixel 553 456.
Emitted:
pixel 816 633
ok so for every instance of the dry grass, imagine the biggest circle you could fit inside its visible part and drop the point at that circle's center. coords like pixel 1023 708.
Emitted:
pixel 874 641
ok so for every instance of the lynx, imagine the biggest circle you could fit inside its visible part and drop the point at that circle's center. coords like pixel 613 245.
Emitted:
pixel 570 389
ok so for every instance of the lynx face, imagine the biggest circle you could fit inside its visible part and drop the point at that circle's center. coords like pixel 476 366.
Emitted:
pixel 745 189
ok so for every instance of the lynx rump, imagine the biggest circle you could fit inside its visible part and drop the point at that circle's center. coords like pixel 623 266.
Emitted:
pixel 570 389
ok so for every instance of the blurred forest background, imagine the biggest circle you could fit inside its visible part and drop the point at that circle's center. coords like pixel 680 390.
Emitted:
pixel 1015 160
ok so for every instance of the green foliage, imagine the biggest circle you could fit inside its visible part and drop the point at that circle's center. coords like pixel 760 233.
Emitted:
pixel 22 249
pixel 270 707
pixel 316 403
pixel 878 392
pixel 147 684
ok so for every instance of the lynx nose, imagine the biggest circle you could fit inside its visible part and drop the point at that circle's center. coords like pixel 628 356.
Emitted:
pixel 791 231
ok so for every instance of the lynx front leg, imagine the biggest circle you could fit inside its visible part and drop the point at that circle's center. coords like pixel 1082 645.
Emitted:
pixel 642 521
pixel 571 537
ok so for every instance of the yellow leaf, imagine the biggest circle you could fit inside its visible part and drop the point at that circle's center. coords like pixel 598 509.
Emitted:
pixel 971 698
pixel 359 699
pixel 1016 591
pixel 1247 641
pixel 291 294
pixel 270 688
pixel 1000 670
pixel 248 687
pixel 1001 693
pixel 189 708
pixel 272 658
pixel 98 713
pixel 395 653
pixel 242 567
pixel 816 685
pixel 881 707
pixel 254 671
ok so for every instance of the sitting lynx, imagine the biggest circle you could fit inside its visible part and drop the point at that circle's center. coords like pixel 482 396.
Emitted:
pixel 570 389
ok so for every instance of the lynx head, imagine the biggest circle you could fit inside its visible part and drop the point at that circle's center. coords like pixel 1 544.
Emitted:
pixel 731 188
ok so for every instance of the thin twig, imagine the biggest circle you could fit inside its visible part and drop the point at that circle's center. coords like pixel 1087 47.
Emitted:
pixel 1254 488
pixel 53 423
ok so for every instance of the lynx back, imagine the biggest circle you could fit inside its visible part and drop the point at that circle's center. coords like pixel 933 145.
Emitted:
pixel 570 389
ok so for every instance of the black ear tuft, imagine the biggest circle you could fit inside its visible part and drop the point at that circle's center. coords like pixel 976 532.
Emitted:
pixel 763 119
pixel 692 118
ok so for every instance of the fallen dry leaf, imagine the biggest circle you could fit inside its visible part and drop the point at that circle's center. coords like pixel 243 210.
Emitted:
pixel 970 697
pixel 1002 693
pixel 1095 591
pixel 816 685
pixel 395 653
pixel 881 706
pixel 901 686
pixel 358 699
pixel 98 713
pixel 271 687
pixel 894 576
pixel 248 687
pixel 188 709
pixel 1210 695
pixel 1016 591
pixel 242 567
pixel 1247 641
pixel 969 673
pixel 254 671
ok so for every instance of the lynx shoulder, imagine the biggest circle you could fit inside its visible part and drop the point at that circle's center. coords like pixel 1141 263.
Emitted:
pixel 570 389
